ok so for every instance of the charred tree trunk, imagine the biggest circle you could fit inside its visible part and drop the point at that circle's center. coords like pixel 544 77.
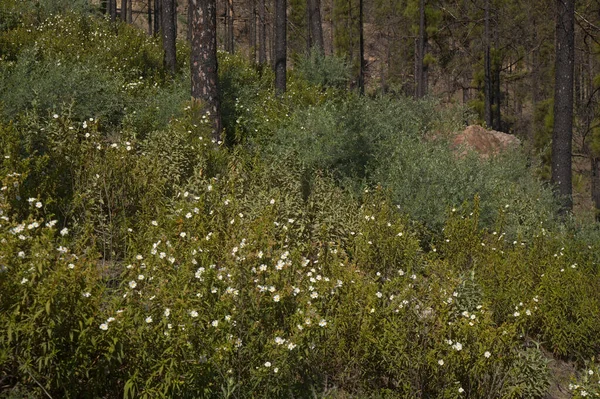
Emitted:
pixel 229 26
pixel 563 103
pixel 315 25
pixel 252 32
pixel 112 6
pixel 124 10
pixel 421 84
pixel 596 185
pixel 361 45
pixel 203 62
pixel 280 46
pixel 157 16
pixel 262 32
pixel 150 17
pixel 169 35
pixel 487 81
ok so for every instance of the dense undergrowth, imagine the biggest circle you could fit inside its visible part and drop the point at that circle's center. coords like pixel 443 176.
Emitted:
pixel 334 247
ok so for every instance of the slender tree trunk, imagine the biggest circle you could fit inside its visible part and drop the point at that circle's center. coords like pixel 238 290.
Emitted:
pixel 252 32
pixel 262 32
pixel 361 42
pixel 315 25
pixel 280 46
pixel 596 185
pixel 124 10
pixel 487 106
pixel 203 62
pixel 169 36
pixel 420 86
pixel 150 17
pixel 230 30
pixel 189 22
pixel 563 103
pixel 112 5
pixel 129 11
pixel 157 16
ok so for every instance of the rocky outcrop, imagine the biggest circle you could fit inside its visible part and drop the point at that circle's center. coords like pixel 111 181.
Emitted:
pixel 484 142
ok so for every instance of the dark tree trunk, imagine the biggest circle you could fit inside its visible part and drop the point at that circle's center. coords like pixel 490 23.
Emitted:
pixel 150 17
pixel 189 22
pixel 252 32
pixel 229 17
pixel 280 46
pixel 315 25
pixel 169 35
pixel 157 16
pixel 497 117
pixel 262 32
pixel 487 81
pixel 563 103
pixel 129 11
pixel 112 6
pixel 421 84
pixel 124 10
pixel 104 6
pixel 596 185
pixel 361 46
pixel 203 62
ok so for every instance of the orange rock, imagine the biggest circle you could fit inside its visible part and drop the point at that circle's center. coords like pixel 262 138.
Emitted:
pixel 484 142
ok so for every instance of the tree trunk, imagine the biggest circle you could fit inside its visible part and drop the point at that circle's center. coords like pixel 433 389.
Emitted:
pixel 150 17
pixel 203 62
pixel 112 5
pixel 230 30
pixel 129 11
pixel 262 32
pixel 563 103
pixel 496 117
pixel 596 185
pixel 487 81
pixel 420 86
pixel 315 25
pixel 169 36
pixel 280 46
pixel 124 10
pixel 361 71
pixel 252 32
pixel 157 16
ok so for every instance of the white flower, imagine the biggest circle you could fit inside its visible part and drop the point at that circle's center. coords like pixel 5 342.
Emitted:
pixel 141 277
pixel 104 326
pixel 323 323
pixel 276 298
pixel 139 257
pixel 167 312
pixel 64 232
pixel 267 364
pixel 87 294
pixel 149 319
pixel 276 370
pixel 441 362
pixel 314 295
pixel 487 354
pixel 21 254
pixel 460 390
pixel 55 116
pixel 291 345
pixel 132 284
pixel 516 314
pixel 38 204
pixel 182 234
pixel 25 280
pixel 457 346
pixel 188 215
pixel 71 266
pixel 31 200
pixel 272 201
pixel 279 341
pixel 110 319
pixel 379 295
pixel 591 372
pixel 215 323
pixel 209 188
pixel 154 223
pixel 193 313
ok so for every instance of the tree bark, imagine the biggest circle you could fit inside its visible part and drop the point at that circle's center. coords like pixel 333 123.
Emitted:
pixel 315 25
pixel 563 103
pixel 169 35
pixel 252 32
pixel 129 11
pixel 361 45
pixel 157 16
pixel 280 46
pixel 230 31
pixel 596 185
pixel 262 32
pixel 203 62
pixel 487 81
pixel 150 17
pixel 421 85
pixel 112 5
pixel 124 10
